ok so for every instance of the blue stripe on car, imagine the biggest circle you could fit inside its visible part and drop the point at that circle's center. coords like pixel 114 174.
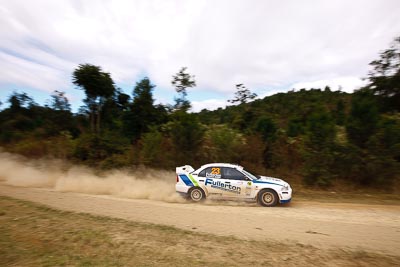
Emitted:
pixel 285 201
pixel 186 180
pixel 263 182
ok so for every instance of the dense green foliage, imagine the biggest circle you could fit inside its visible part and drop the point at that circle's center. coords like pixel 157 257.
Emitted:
pixel 319 136
pixel 242 95
pixel 98 86
pixel 181 81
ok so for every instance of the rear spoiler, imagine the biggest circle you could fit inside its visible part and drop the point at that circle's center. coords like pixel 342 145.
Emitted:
pixel 184 169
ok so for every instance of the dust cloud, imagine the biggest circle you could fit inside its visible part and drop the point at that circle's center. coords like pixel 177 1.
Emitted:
pixel 142 183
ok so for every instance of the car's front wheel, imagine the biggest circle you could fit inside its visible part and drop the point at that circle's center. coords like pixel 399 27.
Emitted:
pixel 267 198
pixel 196 194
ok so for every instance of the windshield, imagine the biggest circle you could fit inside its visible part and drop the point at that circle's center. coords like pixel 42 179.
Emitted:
pixel 251 176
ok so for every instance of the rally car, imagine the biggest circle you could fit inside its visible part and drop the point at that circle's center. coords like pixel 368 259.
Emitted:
pixel 229 181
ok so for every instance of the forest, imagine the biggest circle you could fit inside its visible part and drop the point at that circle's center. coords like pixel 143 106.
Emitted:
pixel 318 137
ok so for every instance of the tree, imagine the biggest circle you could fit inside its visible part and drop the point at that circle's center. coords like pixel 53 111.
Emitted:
pixel 267 128
pixel 242 95
pixel 98 86
pixel 99 150
pixel 19 119
pixel 385 76
pixel 222 144
pixel 59 101
pixel 20 100
pixel 58 109
pixel 340 115
pixel 187 136
pixel 122 100
pixel 319 149
pixel 113 110
pixel 363 118
pixel 142 113
pixel 182 80
pixel 295 127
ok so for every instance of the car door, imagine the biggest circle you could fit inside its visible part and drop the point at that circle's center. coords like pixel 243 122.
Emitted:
pixel 237 184
pixel 213 182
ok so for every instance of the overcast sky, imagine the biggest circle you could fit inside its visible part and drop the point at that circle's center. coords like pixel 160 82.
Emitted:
pixel 270 46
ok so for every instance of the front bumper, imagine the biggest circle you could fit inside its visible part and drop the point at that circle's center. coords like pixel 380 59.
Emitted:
pixel 285 196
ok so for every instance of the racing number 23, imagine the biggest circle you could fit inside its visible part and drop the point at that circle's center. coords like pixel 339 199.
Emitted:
pixel 215 170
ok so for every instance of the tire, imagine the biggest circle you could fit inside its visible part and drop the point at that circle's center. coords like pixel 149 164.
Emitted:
pixel 267 198
pixel 196 194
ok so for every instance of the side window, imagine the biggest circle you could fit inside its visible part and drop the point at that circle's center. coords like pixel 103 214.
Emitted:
pixel 211 172
pixel 233 174
pixel 202 173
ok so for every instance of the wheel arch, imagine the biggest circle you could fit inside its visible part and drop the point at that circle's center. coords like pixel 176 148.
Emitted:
pixel 206 193
pixel 267 188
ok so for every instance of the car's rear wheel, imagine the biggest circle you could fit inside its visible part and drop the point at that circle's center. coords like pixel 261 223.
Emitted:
pixel 196 194
pixel 267 198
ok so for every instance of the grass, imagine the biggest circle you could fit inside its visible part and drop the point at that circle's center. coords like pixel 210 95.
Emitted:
pixel 36 235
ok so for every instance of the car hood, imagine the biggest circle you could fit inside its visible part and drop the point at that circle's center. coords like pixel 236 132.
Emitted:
pixel 271 180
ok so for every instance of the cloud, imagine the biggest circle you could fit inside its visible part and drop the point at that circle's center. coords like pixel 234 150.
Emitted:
pixel 24 72
pixel 266 45
pixel 210 104
pixel 346 84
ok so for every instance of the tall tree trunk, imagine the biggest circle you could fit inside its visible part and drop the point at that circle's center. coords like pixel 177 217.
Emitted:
pixel 99 106
pixel 92 118
pixel 98 119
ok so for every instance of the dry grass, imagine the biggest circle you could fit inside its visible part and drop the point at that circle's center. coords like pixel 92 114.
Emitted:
pixel 36 235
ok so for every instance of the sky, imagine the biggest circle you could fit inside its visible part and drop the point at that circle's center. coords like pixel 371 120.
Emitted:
pixel 269 46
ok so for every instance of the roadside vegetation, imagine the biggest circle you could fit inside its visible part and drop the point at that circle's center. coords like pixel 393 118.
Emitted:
pixel 317 138
pixel 36 235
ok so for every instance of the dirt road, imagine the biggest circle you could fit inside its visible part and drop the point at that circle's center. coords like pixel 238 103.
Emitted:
pixel 350 226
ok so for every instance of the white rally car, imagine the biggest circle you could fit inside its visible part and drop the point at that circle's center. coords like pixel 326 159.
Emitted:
pixel 230 181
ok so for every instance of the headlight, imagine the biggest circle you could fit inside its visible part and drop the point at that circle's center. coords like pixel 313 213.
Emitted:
pixel 285 188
